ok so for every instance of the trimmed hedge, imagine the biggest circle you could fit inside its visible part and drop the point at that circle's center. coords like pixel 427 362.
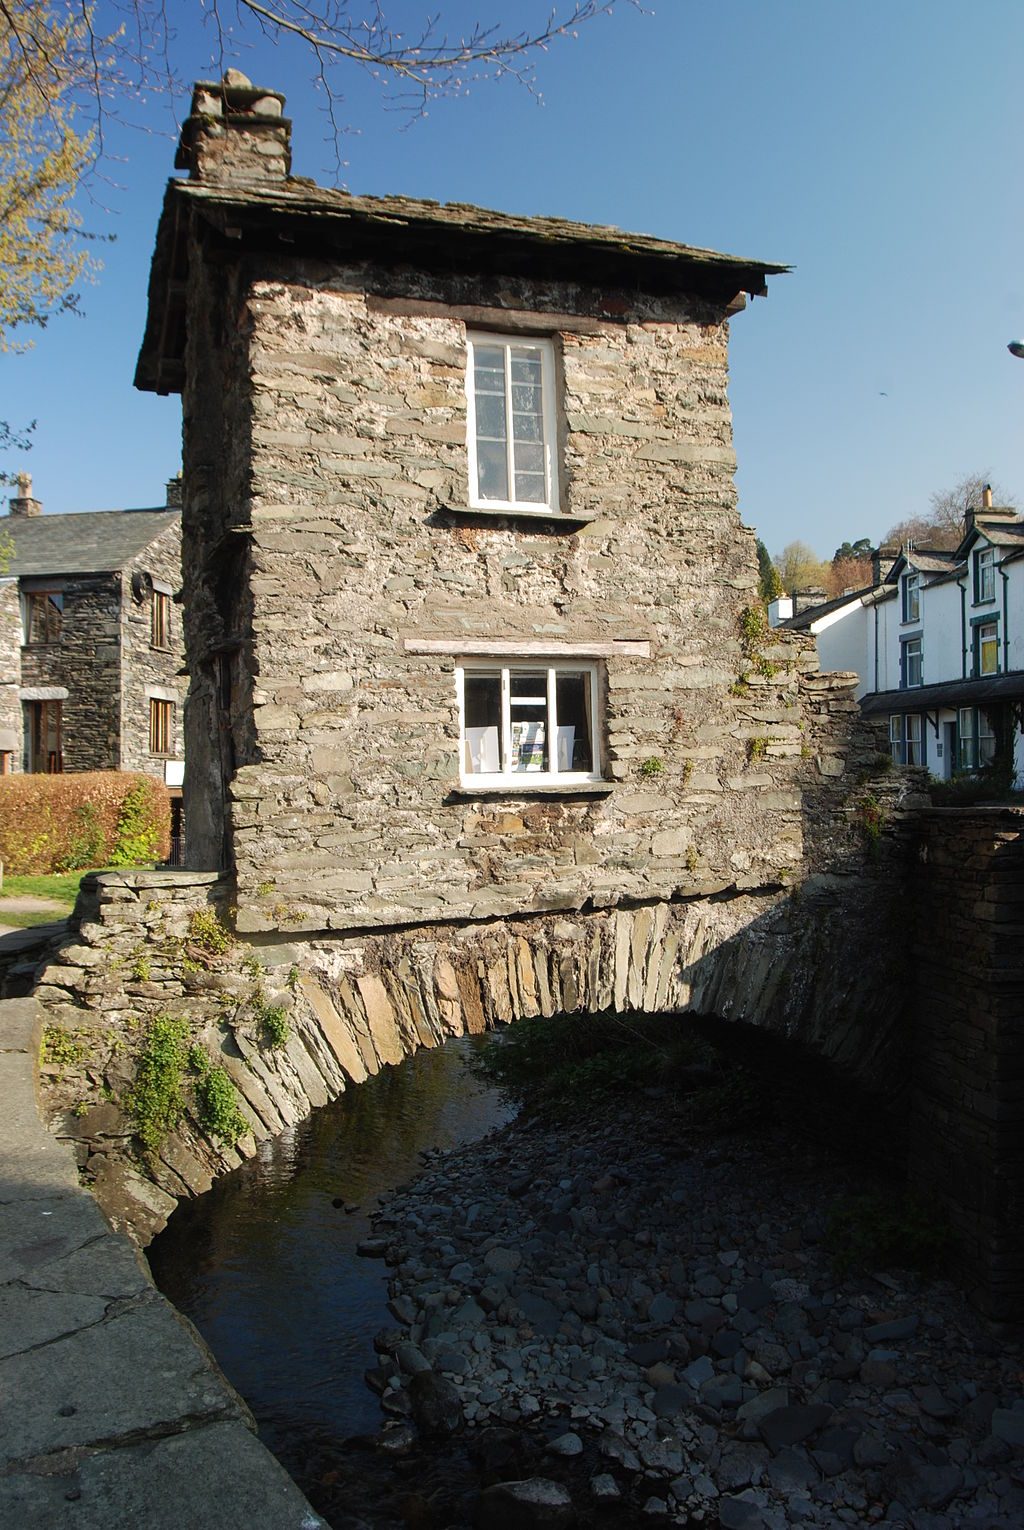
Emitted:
pixel 73 822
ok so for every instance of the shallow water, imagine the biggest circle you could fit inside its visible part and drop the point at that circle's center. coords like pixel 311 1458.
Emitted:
pixel 266 1266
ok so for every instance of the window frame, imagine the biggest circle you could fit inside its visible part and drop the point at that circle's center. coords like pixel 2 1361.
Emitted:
pixel 160 619
pixel 970 753
pixel 907 738
pixel 911 596
pixel 161 726
pixel 44 721
pixel 979 643
pixel 912 640
pixel 52 597
pixel 549 420
pixel 526 780
pixel 984 575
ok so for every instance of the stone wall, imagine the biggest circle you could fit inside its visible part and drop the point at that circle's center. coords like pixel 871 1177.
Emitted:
pixel 146 670
pixel 346 545
pixel 967 931
pixel 87 661
pixel 10 672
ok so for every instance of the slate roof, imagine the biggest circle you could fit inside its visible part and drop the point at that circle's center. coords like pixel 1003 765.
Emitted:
pixel 947 693
pixel 810 615
pixel 296 216
pixel 95 542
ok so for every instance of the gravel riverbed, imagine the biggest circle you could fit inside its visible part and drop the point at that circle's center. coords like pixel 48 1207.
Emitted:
pixel 620 1321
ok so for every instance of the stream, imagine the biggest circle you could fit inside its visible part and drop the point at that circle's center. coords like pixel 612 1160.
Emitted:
pixel 265 1263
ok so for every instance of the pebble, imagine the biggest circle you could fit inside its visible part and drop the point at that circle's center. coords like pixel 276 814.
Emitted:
pixel 678 1310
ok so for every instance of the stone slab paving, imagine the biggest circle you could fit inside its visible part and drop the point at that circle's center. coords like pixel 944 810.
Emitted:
pixel 112 1411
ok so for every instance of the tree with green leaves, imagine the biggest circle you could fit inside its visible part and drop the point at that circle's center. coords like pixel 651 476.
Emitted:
pixel 768 575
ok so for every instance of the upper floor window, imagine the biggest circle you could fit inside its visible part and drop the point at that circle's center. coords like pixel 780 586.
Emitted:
pixel 44 616
pixel 912 597
pixel 986 648
pixel 910 662
pixel 159 619
pixel 512 429
pixel 984 574
pixel 528 724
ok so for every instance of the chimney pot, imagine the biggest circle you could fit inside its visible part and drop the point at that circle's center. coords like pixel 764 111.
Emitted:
pixel 23 503
pixel 236 134
pixel 986 497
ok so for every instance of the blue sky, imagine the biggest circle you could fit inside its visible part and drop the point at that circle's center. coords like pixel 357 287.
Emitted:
pixel 872 145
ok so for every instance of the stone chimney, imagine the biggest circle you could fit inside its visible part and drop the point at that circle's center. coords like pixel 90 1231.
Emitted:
pixel 23 503
pixel 882 560
pixel 806 600
pixel 236 134
pixel 986 497
pixel 173 492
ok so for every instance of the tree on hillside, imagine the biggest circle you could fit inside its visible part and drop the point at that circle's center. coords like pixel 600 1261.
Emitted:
pixel 768 575
pixel 945 526
pixel 800 568
pixel 859 549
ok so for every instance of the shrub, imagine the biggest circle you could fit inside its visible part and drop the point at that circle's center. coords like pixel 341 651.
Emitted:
pixel 68 822
pixel 156 1100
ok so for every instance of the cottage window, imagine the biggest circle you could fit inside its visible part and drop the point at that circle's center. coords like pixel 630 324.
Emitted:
pixel 161 726
pixel 986 648
pixel 510 384
pixel 910 662
pixel 43 737
pixel 912 597
pixel 44 616
pixel 976 738
pixel 159 619
pixel 984 575
pixel 528 724
pixel 906 738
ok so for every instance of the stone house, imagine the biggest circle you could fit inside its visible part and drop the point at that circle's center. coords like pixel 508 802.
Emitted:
pixel 938 645
pixel 463 566
pixel 91 649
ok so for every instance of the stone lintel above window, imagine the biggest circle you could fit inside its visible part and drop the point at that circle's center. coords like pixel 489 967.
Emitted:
pixel 531 648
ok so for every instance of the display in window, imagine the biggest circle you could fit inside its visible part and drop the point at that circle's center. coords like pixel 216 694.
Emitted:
pixel 537 721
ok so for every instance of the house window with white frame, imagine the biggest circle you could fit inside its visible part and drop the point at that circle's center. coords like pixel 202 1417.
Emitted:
pixel 984 575
pixel 976 739
pixel 912 596
pixel 986 648
pixel 512 424
pixel 527 724
pixel 911 670
pixel 906 738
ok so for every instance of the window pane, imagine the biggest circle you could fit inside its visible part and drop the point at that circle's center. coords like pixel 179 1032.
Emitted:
pixel 491 470
pixel 490 417
pixel 525 366
pixel 482 700
pixel 530 488
pixel 574 727
pixel 528 691
pixel 489 358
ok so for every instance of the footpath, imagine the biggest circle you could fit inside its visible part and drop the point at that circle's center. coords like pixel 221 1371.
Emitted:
pixel 114 1412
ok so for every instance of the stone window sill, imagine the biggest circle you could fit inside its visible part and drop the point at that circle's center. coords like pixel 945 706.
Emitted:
pixel 552 789
pixel 548 518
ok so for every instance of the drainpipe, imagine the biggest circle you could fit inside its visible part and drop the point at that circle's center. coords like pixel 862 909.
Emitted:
pixel 876 648
pixel 963 629
pixel 1004 576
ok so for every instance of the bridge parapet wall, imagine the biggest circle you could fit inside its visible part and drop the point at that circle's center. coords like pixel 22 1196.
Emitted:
pixel 968 1083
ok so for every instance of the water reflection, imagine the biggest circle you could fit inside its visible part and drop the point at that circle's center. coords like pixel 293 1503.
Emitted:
pixel 265 1263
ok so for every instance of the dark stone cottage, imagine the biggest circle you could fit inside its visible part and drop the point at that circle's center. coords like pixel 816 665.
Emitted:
pixel 91 649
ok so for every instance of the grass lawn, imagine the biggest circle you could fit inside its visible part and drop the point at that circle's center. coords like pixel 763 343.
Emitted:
pixel 63 886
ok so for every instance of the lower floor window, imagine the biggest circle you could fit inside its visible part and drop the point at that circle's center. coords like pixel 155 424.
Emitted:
pixel 906 738
pixel 528 720
pixel 976 738
pixel 161 726
pixel 44 749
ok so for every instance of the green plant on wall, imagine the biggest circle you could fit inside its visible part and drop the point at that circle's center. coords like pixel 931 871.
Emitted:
pixel 156 1100
pixel 137 837
pixel 206 931
pixel 755 633
pixel 651 767
pixel 217 1109
pixel 870 816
